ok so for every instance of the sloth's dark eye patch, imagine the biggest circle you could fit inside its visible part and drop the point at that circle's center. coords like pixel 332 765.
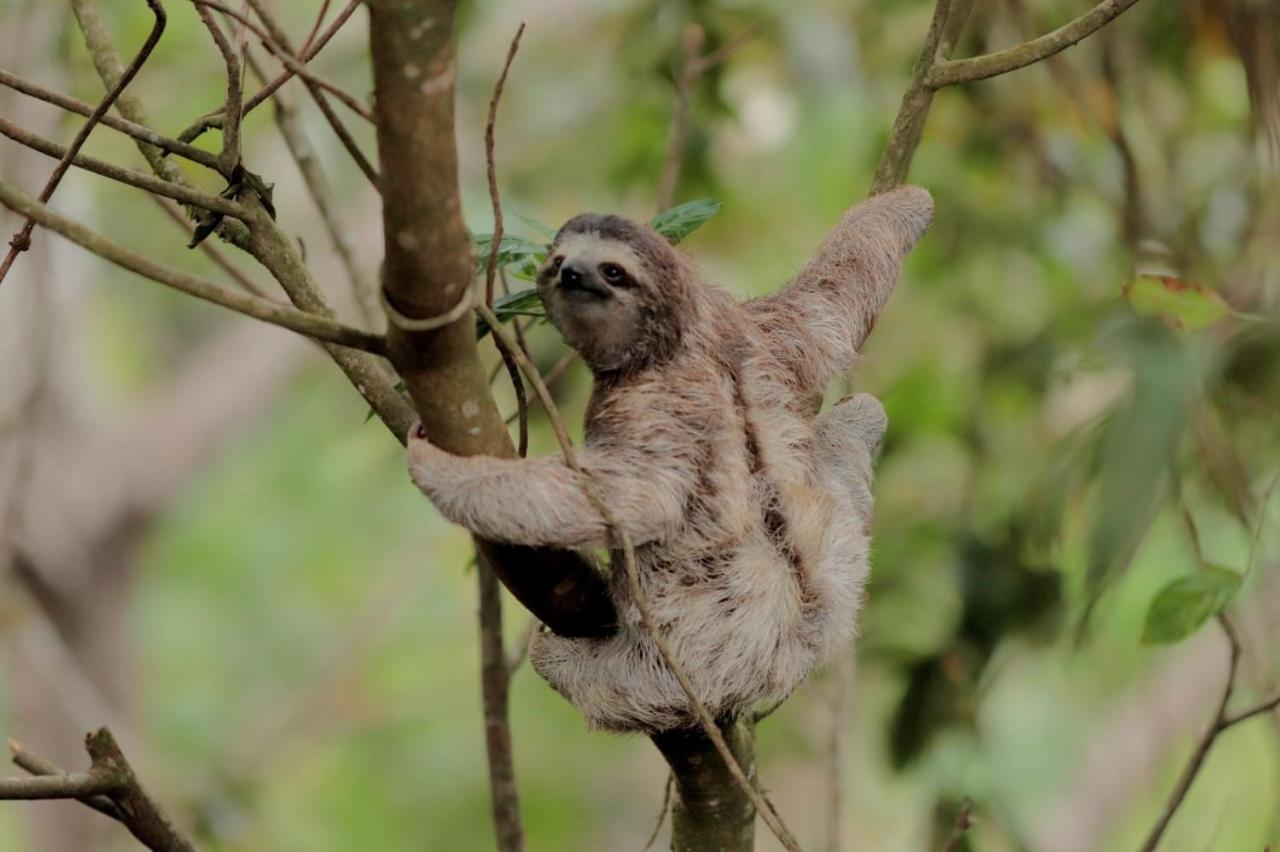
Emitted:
pixel 614 274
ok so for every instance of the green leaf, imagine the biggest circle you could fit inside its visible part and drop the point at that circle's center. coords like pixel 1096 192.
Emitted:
pixel 683 219
pixel 1180 304
pixel 544 229
pixel 523 256
pixel 521 303
pixel 1188 602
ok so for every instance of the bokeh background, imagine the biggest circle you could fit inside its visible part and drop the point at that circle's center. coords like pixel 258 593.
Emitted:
pixel 291 652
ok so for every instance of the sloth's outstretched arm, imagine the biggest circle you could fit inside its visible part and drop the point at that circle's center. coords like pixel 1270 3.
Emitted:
pixel 541 501
pixel 820 318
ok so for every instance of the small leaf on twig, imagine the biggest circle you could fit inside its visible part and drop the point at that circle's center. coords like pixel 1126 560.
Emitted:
pixel 1180 304
pixel 524 256
pixel 683 219
pixel 522 303
pixel 1188 602
pixel 544 229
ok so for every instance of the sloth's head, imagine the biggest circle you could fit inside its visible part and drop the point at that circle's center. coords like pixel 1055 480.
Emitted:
pixel 617 291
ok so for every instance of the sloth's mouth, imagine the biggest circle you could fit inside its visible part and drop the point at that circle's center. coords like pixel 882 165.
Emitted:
pixel 586 288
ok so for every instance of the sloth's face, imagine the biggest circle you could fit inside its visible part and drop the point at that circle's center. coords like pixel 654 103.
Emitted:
pixel 597 294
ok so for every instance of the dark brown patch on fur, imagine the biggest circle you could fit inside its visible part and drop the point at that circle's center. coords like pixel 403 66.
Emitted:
pixel 774 519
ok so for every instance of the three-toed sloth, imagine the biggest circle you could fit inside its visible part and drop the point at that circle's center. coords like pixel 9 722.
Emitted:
pixel 749 511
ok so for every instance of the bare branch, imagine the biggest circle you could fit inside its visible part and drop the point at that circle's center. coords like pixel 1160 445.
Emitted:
pixel 686 77
pixel 22 240
pixel 235 90
pixel 106 60
pixel 35 765
pixel 110 776
pixel 495 674
pixel 308 53
pixel 78 785
pixel 277 42
pixel 908 125
pixel 209 249
pixel 964 821
pixel 692 67
pixel 141 815
pixel 313 177
pixel 311 325
pixel 176 191
pixel 123 125
pixel 955 72
pixel 315 28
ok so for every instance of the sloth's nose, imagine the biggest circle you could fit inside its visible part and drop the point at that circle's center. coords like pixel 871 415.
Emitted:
pixel 571 274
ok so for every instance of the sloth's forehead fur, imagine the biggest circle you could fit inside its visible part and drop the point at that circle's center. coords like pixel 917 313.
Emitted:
pixel 594 238
pixel 593 250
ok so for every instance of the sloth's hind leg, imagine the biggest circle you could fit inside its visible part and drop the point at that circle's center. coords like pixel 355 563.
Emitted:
pixel 849 434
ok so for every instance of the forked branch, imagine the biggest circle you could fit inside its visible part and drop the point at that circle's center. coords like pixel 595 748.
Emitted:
pixel 314 326
pixel 110 787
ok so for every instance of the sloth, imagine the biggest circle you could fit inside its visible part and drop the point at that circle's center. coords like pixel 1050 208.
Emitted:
pixel 749 512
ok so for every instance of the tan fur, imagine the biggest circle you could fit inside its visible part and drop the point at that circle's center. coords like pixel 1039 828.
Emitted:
pixel 750 516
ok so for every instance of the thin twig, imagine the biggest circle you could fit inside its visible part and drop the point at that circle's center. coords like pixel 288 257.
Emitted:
pixel 123 125
pixel 36 765
pixel 235 90
pixel 21 241
pixel 1222 720
pixel 309 324
pixel 964 821
pixel 495 672
pixel 110 68
pixel 318 188
pixel 214 119
pixel 276 43
pixel 520 651
pixel 686 77
pixel 286 55
pixel 692 66
pixel 557 370
pixel 141 180
pixel 315 28
pixel 662 812
pixel 109 776
pixel 495 243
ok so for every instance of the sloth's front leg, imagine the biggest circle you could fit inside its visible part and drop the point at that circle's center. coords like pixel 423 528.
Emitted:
pixel 541 501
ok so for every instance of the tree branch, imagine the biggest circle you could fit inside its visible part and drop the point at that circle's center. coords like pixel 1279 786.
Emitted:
pixel 314 47
pixel 960 71
pixel 21 241
pixel 278 44
pixel 428 268
pixel 98 41
pixel 235 91
pixel 139 180
pixel 308 324
pixel 317 185
pixel 109 776
pixel 123 125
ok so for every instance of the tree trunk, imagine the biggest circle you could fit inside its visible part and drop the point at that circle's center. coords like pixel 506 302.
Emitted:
pixel 710 812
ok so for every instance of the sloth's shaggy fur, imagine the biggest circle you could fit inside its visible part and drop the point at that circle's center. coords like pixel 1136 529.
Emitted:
pixel 750 514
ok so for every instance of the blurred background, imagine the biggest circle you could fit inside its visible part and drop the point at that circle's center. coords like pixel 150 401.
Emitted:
pixel 243 582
